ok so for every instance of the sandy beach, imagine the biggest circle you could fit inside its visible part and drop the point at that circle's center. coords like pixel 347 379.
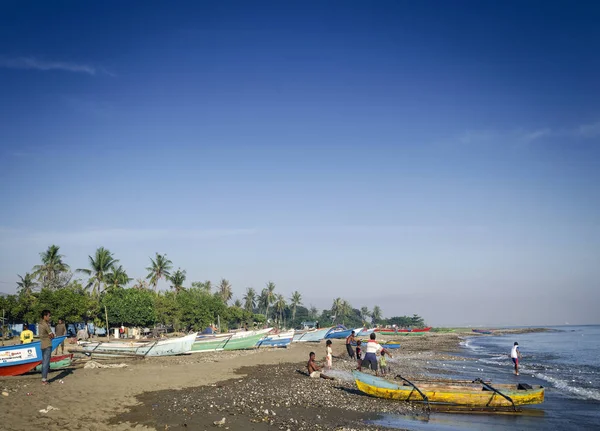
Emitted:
pixel 255 389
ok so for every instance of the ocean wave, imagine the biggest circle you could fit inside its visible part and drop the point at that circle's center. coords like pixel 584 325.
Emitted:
pixel 579 392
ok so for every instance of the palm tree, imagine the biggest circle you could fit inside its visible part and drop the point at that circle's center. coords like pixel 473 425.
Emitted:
pixel 237 303
pixel 225 290
pixel 314 312
pixel 269 296
pixel 295 301
pixel 140 284
pixel 100 265
pixel 280 306
pixel 250 299
pixel 346 310
pixel 376 315
pixel 364 313
pixel 204 285
pixel 336 308
pixel 117 277
pixel 26 285
pixel 51 268
pixel 159 267
pixel 177 279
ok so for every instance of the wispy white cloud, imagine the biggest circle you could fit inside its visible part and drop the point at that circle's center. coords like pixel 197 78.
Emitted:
pixel 521 137
pixel 32 63
pixel 97 236
pixel 531 136
pixel 589 130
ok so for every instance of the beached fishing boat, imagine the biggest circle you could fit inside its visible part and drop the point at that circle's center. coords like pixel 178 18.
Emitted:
pixel 283 339
pixel 397 330
pixel 229 341
pixel 163 347
pixel 341 332
pixel 314 336
pixel 57 362
pixel 22 358
pixel 468 394
pixel 365 332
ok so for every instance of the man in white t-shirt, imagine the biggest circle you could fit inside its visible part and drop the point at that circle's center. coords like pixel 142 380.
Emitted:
pixel 372 348
pixel 515 355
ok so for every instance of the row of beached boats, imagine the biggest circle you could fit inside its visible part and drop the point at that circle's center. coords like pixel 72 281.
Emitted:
pixel 20 359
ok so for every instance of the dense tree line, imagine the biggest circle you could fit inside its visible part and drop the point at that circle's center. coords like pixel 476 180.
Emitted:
pixel 105 294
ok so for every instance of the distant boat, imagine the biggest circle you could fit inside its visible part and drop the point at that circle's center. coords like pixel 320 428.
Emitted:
pixel 313 336
pixel 482 331
pixel 230 341
pixel 470 394
pixel 283 339
pixel 57 362
pixel 341 332
pixel 395 330
pixel 22 358
pixel 162 347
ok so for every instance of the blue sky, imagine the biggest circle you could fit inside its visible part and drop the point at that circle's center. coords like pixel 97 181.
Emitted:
pixel 435 160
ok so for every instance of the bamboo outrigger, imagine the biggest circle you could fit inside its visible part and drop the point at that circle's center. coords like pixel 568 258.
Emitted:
pixel 478 393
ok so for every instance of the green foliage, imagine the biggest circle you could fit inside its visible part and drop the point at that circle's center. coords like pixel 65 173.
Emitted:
pixel 50 272
pixel 159 268
pixel 100 265
pixel 196 309
pixel 414 321
pixel 129 307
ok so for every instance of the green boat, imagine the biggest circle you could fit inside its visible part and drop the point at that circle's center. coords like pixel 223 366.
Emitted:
pixel 57 362
pixel 234 341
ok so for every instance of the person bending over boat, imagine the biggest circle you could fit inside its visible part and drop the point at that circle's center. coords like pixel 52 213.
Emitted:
pixel 371 351
pixel 515 355
pixel 314 371
pixel 350 339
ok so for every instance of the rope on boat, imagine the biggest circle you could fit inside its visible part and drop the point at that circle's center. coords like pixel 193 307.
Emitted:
pixel 419 391
pixel 491 388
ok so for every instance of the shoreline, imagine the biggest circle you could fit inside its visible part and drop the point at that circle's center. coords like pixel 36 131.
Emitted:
pixel 125 398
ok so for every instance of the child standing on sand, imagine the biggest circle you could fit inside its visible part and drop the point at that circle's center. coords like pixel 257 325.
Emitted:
pixel 383 367
pixel 359 354
pixel 329 355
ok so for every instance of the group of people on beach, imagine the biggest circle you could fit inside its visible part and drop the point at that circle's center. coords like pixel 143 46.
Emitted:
pixel 370 360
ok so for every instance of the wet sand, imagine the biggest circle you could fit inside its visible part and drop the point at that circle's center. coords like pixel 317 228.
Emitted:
pixel 256 389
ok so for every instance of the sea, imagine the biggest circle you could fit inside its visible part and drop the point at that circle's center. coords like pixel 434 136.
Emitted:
pixel 565 360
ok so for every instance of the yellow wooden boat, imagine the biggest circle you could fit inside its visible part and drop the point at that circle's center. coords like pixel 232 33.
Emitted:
pixel 478 394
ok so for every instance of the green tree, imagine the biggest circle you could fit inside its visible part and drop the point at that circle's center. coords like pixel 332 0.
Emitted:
pixel 27 284
pixel 336 309
pixel 237 303
pixel 49 272
pixel 117 277
pixel 376 315
pixel 100 265
pixel 295 301
pixel 225 291
pixel 280 307
pixel 159 267
pixel 197 309
pixel 177 279
pixel 133 307
pixel 364 313
pixel 206 286
pixel 140 284
pixel 268 297
pixel 314 312
pixel 346 310
pixel 250 299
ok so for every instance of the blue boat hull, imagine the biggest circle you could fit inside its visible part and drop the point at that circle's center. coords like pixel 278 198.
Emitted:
pixel 22 358
pixel 275 343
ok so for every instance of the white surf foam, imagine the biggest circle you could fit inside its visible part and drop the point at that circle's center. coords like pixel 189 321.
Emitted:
pixel 565 386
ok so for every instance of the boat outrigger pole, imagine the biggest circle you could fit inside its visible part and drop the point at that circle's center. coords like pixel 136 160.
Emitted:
pixel 491 388
pixel 418 390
